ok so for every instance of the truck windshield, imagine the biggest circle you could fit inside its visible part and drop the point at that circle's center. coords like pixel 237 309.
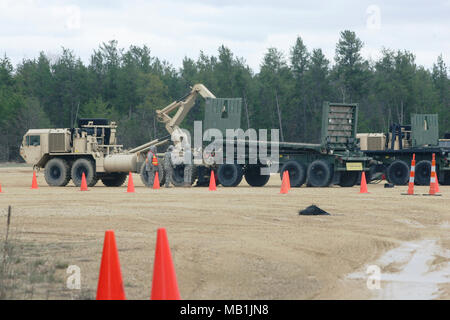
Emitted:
pixel 33 140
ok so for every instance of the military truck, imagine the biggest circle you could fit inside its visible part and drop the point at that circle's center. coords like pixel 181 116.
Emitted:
pixel 91 148
pixel 392 152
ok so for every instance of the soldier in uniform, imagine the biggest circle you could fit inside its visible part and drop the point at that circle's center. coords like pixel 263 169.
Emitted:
pixel 181 154
pixel 151 165
pixel 168 166
pixel 188 167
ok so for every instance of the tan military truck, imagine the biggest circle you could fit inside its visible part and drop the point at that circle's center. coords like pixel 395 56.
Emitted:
pixel 90 148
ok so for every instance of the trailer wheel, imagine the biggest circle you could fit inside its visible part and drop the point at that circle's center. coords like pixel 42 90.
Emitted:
pixel 297 173
pixel 445 178
pixel 398 173
pixel 319 174
pixel 349 178
pixel 230 175
pixel 115 179
pixel 83 165
pixel 57 172
pixel 254 177
pixel 423 173
pixel 144 175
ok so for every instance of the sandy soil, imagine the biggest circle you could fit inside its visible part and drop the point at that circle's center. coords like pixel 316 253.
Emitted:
pixel 235 243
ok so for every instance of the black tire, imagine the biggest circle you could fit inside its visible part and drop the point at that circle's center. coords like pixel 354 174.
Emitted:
pixel 57 172
pixel 83 165
pixel 115 179
pixel 423 173
pixel 319 174
pixel 349 178
pixel 94 182
pixel 445 178
pixel 230 175
pixel 178 176
pixel 144 175
pixel 398 173
pixel 254 177
pixel 297 173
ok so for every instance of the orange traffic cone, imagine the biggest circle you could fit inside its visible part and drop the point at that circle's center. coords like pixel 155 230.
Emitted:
pixel 411 176
pixel 0 188
pixel 363 188
pixel 433 180
pixel 284 184
pixel 156 181
pixel 212 182
pixel 437 184
pixel 130 183
pixel 83 186
pixel 34 184
pixel 110 285
pixel 288 179
pixel 164 284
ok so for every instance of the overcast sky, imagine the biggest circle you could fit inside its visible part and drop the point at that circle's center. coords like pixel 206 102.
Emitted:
pixel 174 28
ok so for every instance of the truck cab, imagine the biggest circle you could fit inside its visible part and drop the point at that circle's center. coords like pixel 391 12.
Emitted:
pixel 33 142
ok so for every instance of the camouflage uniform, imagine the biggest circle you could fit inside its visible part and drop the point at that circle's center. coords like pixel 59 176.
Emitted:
pixel 149 166
pixel 188 168
pixel 168 166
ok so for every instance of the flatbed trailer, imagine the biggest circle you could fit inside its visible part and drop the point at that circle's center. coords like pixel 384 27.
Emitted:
pixel 336 160
pixel 402 143
pixel 396 164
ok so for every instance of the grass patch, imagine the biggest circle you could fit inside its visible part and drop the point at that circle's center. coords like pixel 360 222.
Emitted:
pixel 30 271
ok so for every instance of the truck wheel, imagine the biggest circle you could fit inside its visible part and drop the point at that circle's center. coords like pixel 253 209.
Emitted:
pixel 178 176
pixel 319 174
pixel 446 178
pixel 83 165
pixel 57 172
pixel 349 178
pixel 144 175
pixel 423 173
pixel 398 173
pixel 254 177
pixel 230 175
pixel 297 173
pixel 115 179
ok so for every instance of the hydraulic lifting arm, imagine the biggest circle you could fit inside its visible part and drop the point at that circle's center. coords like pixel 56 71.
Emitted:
pixel 183 106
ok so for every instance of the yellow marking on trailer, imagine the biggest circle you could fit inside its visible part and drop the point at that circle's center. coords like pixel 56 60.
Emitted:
pixel 354 166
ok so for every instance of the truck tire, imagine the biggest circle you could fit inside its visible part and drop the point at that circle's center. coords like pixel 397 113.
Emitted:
pixel 319 174
pixel 115 179
pixel 445 178
pixel 254 177
pixel 178 176
pixel 349 178
pixel 297 173
pixel 57 172
pixel 423 173
pixel 83 165
pixel 398 173
pixel 230 175
pixel 144 175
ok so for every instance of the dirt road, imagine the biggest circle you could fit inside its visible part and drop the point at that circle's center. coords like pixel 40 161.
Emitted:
pixel 235 243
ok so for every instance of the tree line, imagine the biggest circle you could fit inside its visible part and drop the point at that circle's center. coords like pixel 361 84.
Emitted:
pixel 128 85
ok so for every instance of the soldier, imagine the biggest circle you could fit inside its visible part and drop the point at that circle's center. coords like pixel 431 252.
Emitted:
pixel 188 167
pixel 151 165
pixel 168 166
